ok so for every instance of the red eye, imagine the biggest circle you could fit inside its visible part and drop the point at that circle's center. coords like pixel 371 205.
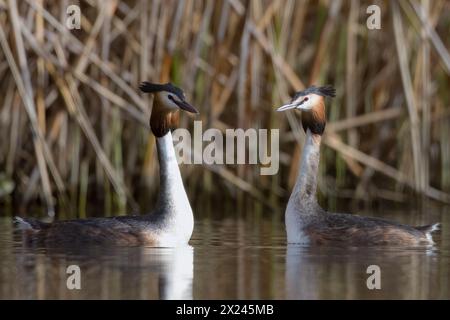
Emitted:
pixel 306 99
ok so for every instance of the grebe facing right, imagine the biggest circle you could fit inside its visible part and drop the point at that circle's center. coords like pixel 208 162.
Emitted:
pixel 169 225
pixel 306 221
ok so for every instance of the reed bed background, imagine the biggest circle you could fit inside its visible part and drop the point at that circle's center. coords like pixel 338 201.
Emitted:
pixel 74 128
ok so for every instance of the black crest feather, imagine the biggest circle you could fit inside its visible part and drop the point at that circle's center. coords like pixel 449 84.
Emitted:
pixel 157 87
pixel 325 91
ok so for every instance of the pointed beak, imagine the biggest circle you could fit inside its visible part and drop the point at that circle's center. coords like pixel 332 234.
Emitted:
pixel 287 107
pixel 186 106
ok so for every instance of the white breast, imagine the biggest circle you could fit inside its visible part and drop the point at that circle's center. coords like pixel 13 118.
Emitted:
pixel 294 226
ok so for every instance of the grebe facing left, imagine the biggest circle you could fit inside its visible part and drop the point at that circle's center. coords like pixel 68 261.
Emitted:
pixel 170 224
pixel 306 221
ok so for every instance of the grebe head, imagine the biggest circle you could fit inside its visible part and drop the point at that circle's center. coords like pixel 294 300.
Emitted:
pixel 311 101
pixel 309 98
pixel 169 97
pixel 168 100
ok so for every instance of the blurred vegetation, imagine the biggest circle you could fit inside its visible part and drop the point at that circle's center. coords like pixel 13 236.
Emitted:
pixel 74 129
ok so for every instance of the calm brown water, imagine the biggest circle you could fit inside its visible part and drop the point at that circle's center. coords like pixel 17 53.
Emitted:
pixel 231 259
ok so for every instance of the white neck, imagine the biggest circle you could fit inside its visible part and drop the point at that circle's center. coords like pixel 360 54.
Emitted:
pixel 306 185
pixel 173 203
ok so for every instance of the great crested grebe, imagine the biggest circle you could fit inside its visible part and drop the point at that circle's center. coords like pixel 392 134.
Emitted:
pixel 170 224
pixel 306 221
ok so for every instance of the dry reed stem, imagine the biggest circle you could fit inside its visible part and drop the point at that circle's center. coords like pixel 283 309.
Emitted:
pixel 236 61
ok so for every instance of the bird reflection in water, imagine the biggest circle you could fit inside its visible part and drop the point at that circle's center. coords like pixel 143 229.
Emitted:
pixel 106 273
pixel 324 272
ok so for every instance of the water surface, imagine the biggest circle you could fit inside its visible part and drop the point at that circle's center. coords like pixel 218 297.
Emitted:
pixel 230 259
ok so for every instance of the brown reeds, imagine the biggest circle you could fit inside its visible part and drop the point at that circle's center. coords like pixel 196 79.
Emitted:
pixel 74 129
